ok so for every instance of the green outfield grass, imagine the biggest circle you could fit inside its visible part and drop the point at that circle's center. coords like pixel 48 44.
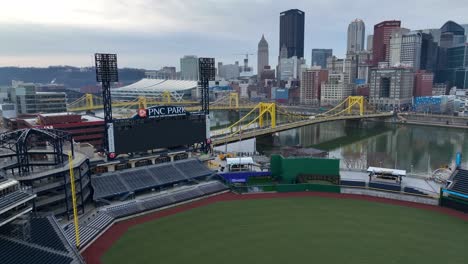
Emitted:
pixel 296 230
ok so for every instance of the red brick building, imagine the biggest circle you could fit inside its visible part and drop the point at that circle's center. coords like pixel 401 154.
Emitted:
pixel 83 128
pixel 381 42
pixel 423 81
pixel 311 85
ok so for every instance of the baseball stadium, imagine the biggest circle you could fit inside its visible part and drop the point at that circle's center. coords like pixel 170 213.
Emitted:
pixel 265 221
pixel 160 193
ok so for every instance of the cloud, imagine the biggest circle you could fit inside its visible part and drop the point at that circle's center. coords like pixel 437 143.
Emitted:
pixel 154 33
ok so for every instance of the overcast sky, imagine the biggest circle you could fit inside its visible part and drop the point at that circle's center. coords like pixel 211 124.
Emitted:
pixel 154 33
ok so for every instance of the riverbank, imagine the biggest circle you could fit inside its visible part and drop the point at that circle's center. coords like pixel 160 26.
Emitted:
pixel 433 120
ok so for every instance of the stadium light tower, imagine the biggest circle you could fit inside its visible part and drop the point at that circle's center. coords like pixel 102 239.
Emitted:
pixel 106 73
pixel 207 74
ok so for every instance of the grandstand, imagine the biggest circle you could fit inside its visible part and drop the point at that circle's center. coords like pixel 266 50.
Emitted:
pixel 114 184
pixel 14 200
pixel 95 224
pixel 460 181
pixel 36 240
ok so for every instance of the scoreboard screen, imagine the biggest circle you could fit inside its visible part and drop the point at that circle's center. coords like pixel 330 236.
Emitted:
pixel 139 135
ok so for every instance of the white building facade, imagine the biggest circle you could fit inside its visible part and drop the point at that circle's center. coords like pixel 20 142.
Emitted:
pixel 189 68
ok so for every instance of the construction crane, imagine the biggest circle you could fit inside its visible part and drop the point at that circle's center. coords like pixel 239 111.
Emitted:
pixel 246 60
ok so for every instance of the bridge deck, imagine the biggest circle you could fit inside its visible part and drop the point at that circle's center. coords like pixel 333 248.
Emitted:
pixel 255 132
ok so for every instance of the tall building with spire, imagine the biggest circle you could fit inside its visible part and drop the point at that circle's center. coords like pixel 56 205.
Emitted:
pixel 356 36
pixel 262 56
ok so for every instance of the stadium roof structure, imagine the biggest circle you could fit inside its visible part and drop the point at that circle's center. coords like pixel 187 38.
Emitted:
pixel 154 88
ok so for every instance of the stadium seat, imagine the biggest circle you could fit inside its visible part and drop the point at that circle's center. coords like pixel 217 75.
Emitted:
pixel 18 253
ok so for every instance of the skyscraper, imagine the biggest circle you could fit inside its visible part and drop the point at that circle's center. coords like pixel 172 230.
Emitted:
pixel 391 88
pixel 381 40
pixel 189 67
pixel 311 85
pixel 320 56
pixel 370 40
pixel 428 52
pixel 262 56
pixel 452 38
pixel 292 32
pixel 356 36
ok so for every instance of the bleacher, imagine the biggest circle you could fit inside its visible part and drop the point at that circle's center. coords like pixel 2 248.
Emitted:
pixel 194 168
pixel 349 183
pixel 14 252
pixel 89 230
pixel 413 191
pixel 460 181
pixel 39 241
pixel 13 198
pixel 105 216
pixel 107 186
pixel 385 186
pixel 145 178
pixel 42 234
pixel 165 199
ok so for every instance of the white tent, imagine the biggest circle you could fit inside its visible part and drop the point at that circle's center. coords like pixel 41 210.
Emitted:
pixel 239 161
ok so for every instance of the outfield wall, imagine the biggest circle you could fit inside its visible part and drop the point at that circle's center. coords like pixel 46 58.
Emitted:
pixel 454 200
pixel 286 188
pixel 287 169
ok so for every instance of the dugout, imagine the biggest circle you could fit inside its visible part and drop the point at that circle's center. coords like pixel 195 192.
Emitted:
pixel 384 174
pixel 305 170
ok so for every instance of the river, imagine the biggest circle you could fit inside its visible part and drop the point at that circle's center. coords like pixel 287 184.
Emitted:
pixel 417 149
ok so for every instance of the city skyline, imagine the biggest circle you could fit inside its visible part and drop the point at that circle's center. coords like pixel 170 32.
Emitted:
pixel 152 34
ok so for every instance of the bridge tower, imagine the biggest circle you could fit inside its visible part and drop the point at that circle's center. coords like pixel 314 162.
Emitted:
pixel 355 100
pixel 265 109
pixel 234 98
pixel 142 103
pixel 89 102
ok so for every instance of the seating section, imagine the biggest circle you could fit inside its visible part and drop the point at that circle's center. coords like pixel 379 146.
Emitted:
pixel 385 186
pixel 187 195
pixel 169 198
pixel 144 178
pixel 124 209
pixel 214 187
pixel 91 228
pixel 413 191
pixel 194 169
pixel 353 183
pixel 18 253
pixel 157 202
pixel 42 233
pixel 13 198
pixel 107 186
pixel 137 179
pixel 166 174
pixel 39 241
pixel 460 181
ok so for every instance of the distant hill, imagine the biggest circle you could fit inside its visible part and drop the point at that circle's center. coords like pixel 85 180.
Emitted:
pixel 71 77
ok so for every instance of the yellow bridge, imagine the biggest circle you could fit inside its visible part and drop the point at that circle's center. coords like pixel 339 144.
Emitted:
pixel 262 119
pixel 90 102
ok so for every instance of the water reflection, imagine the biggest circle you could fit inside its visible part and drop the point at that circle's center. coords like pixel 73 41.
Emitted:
pixel 362 144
